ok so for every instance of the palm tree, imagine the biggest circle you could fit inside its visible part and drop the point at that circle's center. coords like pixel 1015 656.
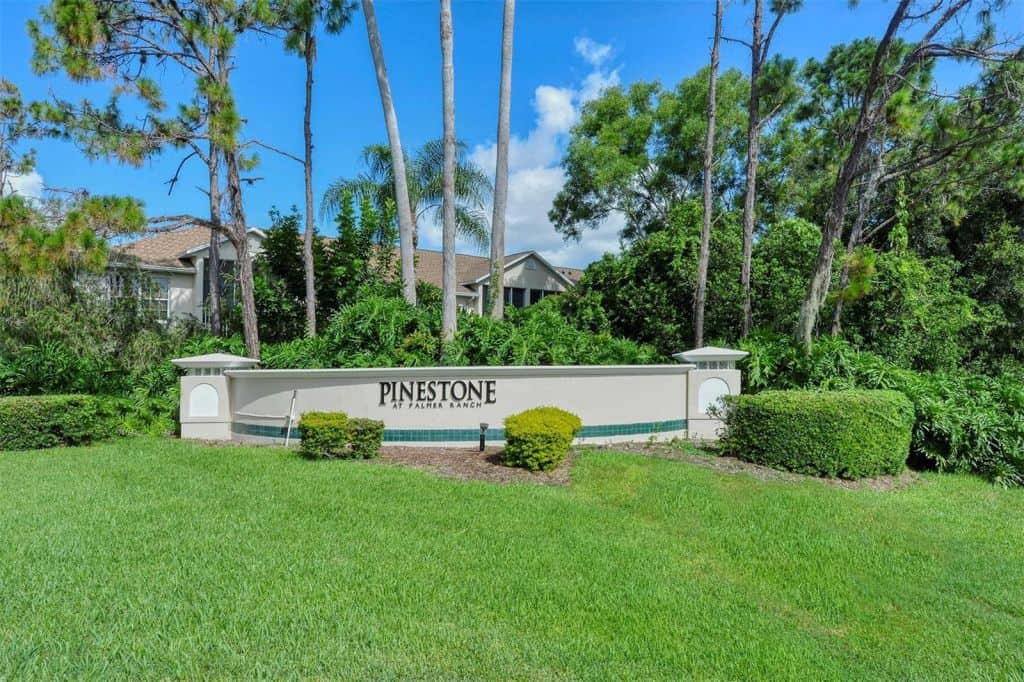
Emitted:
pixel 497 301
pixel 406 226
pixel 424 182
pixel 448 283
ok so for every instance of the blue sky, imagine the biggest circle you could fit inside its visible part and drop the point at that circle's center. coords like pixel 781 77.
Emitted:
pixel 564 53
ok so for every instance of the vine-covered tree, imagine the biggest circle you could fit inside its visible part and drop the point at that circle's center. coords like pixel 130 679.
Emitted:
pixel 773 81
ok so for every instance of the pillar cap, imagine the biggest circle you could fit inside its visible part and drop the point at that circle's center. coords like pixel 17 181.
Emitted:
pixel 711 354
pixel 215 360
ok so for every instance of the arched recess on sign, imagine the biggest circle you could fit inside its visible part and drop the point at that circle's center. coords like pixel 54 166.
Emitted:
pixel 710 393
pixel 203 401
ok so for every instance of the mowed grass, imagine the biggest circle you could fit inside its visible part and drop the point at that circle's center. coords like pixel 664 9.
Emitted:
pixel 156 559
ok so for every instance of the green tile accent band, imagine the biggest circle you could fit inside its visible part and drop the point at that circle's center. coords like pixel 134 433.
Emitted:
pixel 470 435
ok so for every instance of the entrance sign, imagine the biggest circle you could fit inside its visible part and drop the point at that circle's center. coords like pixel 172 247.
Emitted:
pixel 446 405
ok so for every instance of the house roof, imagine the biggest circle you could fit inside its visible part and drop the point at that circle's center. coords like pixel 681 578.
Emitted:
pixel 165 249
pixel 174 249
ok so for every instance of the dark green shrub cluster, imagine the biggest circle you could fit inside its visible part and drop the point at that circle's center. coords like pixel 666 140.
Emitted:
pixel 839 434
pixel 964 422
pixel 335 435
pixel 539 439
pixel 46 421
pixel 365 437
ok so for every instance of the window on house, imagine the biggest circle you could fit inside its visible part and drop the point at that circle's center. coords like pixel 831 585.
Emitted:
pixel 537 295
pixel 150 293
pixel 155 297
pixel 531 264
pixel 515 297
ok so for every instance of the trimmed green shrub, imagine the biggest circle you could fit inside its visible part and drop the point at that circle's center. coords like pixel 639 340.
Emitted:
pixel 365 437
pixel 46 421
pixel 334 435
pixel 964 422
pixel 839 434
pixel 539 439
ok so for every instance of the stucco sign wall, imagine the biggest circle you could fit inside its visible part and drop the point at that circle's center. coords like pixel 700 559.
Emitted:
pixel 439 405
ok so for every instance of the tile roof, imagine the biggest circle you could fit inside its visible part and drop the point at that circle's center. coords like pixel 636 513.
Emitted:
pixel 166 249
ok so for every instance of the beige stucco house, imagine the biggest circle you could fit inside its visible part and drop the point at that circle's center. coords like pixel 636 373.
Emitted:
pixel 176 262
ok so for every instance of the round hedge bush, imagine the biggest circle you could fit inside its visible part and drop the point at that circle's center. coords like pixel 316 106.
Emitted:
pixel 839 434
pixel 539 439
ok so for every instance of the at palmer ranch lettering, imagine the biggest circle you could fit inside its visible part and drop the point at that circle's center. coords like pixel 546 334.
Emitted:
pixel 437 393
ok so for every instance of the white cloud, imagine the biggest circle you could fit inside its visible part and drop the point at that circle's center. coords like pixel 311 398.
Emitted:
pixel 535 175
pixel 593 53
pixel 29 185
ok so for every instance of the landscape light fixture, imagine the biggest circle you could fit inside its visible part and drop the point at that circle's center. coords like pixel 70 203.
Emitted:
pixel 483 436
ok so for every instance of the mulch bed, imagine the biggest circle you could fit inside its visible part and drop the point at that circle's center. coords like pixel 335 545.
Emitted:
pixel 472 465
pixel 469 464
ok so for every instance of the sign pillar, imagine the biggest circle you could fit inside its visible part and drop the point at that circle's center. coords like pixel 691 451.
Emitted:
pixel 205 400
pixel 714 378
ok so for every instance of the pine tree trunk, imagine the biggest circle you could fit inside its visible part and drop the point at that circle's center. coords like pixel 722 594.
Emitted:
pixel 700 296
pixel 495 293
pixel 817 289
pixel 240 240
pixel 864 203
pixel 868 119
pixel 753 151
pixel 307 238
pixel 448 283
pixel 213 261
pixel 405 220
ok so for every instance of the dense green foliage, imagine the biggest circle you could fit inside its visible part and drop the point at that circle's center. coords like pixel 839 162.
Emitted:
pixel 335 435
pixel 964 422
pixel 539 439
pixel 844 434
pixel 78 340
pixel 361 254
pixel 57 339
pixel 46 421
pixel 646 293
pixel 141 559
pixel 379 329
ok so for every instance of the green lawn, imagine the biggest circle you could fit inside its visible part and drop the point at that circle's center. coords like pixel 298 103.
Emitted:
pixel 151 558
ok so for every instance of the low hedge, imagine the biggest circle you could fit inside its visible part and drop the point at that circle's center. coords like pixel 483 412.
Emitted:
pixel 335 435
pixel 839 434
pixel 539 439
pixel 47 421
